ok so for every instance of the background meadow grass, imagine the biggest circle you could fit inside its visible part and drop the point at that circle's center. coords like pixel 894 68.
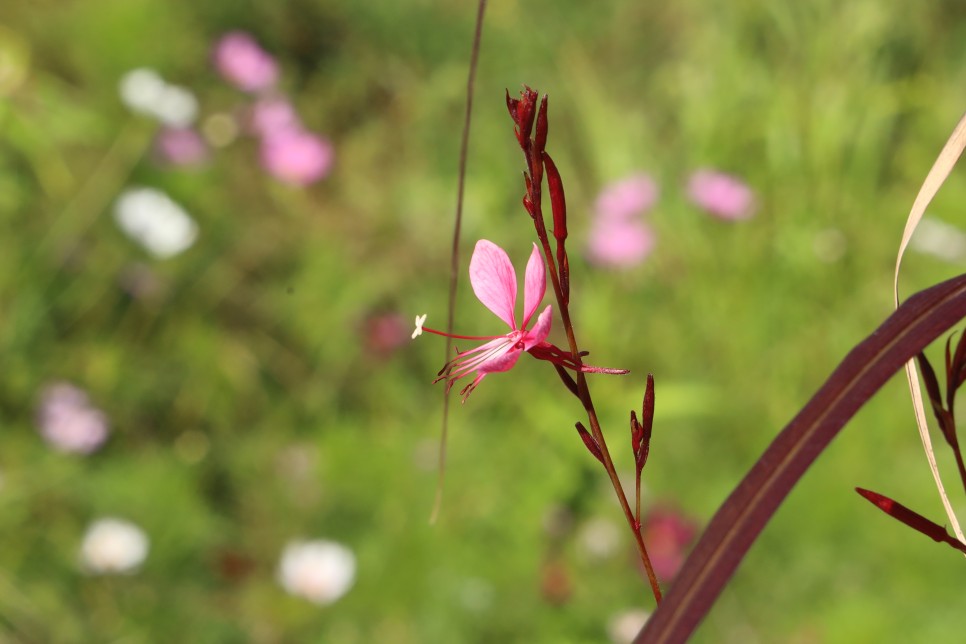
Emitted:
pixel 247 408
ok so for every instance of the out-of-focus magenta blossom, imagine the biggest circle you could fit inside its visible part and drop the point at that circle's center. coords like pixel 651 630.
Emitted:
pixel 627 197
pixel 273 115
pixel 297 157
pixel 618 238
pixel 668 534
pixel 181 146
pixel 495 284
pixel 721 195
pixel 243 63
pixel 619 244
pixel 68 421
pixel 385 332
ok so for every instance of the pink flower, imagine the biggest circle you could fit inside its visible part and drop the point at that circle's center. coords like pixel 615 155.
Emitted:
pixel 495 284
pixel 384 333
pixel 241 61
pixel 274 115
pixel 68 421
pixel 668 534
pixel 296 157
pixel 627 197
pixel 619 244
pixel 181 146
pixel 721 195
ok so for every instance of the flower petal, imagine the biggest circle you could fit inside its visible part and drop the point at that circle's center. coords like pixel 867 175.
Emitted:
pixel 534 285
pixel 494 280
pixel 502 361
pixel 540 330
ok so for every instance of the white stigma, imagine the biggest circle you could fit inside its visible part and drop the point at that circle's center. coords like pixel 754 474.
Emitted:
pixel 420 320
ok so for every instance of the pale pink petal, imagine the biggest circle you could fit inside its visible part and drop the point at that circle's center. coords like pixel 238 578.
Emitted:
pixel 494 280
pixel 501 361
pixel 534 285
pixel 540 330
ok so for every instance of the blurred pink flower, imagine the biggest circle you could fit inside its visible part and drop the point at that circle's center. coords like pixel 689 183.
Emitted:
pixel 67 420
pixel 243 63
pixel 385 332
pixel 668 533
pixel 181 146
pixel 296 156
pixel 627 197
pixel 619 244
pixel 273 115
pixel 721 195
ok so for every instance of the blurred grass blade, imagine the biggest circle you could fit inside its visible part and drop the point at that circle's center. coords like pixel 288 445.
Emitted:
pixel 934 180
pixel 743 516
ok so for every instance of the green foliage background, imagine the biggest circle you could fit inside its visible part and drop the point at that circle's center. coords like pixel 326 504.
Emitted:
pixel 247 409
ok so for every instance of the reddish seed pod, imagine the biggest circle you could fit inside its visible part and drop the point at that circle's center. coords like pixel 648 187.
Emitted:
pixel 540 140
pixel 589 442
pixel 637 433
pixel 558 202
pixel 526 111
pixel 511 105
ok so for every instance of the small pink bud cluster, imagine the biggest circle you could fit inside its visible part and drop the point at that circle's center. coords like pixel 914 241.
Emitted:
pixel 288 151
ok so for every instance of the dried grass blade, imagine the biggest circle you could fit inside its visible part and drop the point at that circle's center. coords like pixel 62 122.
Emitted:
pixel 934 180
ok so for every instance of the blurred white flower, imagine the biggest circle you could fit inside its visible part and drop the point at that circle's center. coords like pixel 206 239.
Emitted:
pixel 141 88
pixel 319 571
pixel 113 546
pixel 152 219
pixel 599 538
pixel 624 627
pixel 68 421
pixel 176 106
pixel 144 91
pixel 939 239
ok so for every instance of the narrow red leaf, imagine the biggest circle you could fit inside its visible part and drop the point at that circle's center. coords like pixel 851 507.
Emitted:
pixel 911 518
pixel 589 442
pixel 932 385
pixel 567 380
